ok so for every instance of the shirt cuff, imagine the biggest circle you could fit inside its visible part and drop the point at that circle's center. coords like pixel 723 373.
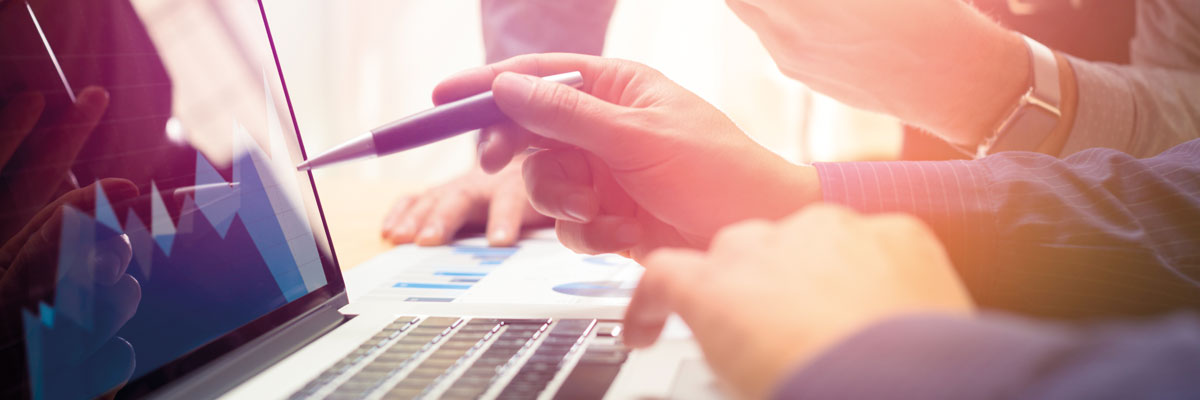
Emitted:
pixel 1104 115
pixel 949 196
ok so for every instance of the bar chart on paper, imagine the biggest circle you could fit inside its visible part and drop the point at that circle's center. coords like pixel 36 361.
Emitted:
pixel 446 275
pixel 537 271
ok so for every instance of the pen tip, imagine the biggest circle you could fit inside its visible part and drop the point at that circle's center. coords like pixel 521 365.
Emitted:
pixel 303 166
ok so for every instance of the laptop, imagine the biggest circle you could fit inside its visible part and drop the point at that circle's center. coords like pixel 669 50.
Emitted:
pixel 186 258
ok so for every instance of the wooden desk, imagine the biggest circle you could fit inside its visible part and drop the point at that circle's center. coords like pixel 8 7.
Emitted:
pixel 354 210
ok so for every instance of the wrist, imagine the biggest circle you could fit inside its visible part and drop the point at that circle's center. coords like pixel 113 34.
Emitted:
pixel 800 187
pixel 771 190
pixel 1070 97
pixel 1002 78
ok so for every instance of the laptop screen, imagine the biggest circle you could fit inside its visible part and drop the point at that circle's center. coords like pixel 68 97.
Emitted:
pixel 150 212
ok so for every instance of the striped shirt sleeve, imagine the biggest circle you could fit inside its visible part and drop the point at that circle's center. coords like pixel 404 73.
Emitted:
pixel 1097 234
pixel 1003 356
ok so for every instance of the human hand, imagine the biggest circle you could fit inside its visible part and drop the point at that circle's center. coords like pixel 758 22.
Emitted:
pixel 37 149
pixel 938 64
pixel 35 160
pixel 89 263
pixel 475 198
pixel 769 296
pixel 633 161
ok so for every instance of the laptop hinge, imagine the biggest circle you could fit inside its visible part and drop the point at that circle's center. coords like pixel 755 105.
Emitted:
pixel 232 369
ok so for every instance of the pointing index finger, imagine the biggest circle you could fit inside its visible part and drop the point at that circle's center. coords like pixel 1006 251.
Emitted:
pixel 666 287
pixel 479 79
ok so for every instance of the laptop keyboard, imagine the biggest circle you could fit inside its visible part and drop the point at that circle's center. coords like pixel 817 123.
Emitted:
pixel 471 358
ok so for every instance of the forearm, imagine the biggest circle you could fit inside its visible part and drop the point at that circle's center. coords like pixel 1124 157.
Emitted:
pixel 515 27
pixel 1038 235
pixel 1139 110
pixel 997 356
pixel 1152 104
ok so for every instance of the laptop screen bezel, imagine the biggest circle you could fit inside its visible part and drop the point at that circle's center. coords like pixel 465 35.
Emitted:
pixel 227 343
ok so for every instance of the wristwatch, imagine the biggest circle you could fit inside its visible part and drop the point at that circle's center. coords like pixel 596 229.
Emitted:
pixel 1036 113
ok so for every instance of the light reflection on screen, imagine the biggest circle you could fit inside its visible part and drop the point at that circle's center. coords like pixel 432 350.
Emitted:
pixel 150 203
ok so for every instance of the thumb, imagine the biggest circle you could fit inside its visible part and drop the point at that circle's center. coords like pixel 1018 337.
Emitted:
pixel 560 112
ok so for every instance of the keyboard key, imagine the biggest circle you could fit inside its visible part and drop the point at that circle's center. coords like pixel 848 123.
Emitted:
pixel 402 394
pixel 458 393
pixel 567 341
pixel 456 346
pixel 527 321
pixel 441 321
pixel 368 347
pixel 407 346
pixel 439 364
pixel 603 357
pixel 571 327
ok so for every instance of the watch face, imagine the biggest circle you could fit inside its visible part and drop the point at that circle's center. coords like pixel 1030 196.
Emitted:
pixel 1030 125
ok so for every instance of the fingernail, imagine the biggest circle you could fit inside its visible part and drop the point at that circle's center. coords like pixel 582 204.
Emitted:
pixel 429 234
pixel 577 207
pixel 498 236
pixel 405 229
pixel 513 84
pixel 400 234
pixel 111 257
pixel 483 142
pixel 94 97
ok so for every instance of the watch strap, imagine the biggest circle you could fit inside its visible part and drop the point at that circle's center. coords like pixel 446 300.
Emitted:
pixel 1037 112
pixel 1044 68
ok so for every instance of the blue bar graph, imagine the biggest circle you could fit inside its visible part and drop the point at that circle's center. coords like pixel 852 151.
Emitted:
pixel 444 278
pixel 430 299
pixel 452 273
pixel 416 285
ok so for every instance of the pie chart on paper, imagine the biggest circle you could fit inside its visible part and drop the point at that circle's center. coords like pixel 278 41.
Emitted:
pixel 608 260
pixel 597 288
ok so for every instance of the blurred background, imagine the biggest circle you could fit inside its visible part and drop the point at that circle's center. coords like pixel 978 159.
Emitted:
pixel 353 65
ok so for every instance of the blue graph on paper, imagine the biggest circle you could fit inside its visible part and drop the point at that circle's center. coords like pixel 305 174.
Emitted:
pixel 619 289
pixel 449 276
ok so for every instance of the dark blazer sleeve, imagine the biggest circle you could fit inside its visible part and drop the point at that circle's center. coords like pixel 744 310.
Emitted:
pixel 1098 234
pixel 999 357
pixel 515 27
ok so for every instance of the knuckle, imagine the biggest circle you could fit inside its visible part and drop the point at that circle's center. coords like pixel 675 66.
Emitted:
pixel 560 94
pixel 402 202
pixel 564 99
pixel 568 118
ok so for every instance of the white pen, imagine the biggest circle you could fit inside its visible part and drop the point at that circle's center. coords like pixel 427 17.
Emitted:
pixel 438 123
